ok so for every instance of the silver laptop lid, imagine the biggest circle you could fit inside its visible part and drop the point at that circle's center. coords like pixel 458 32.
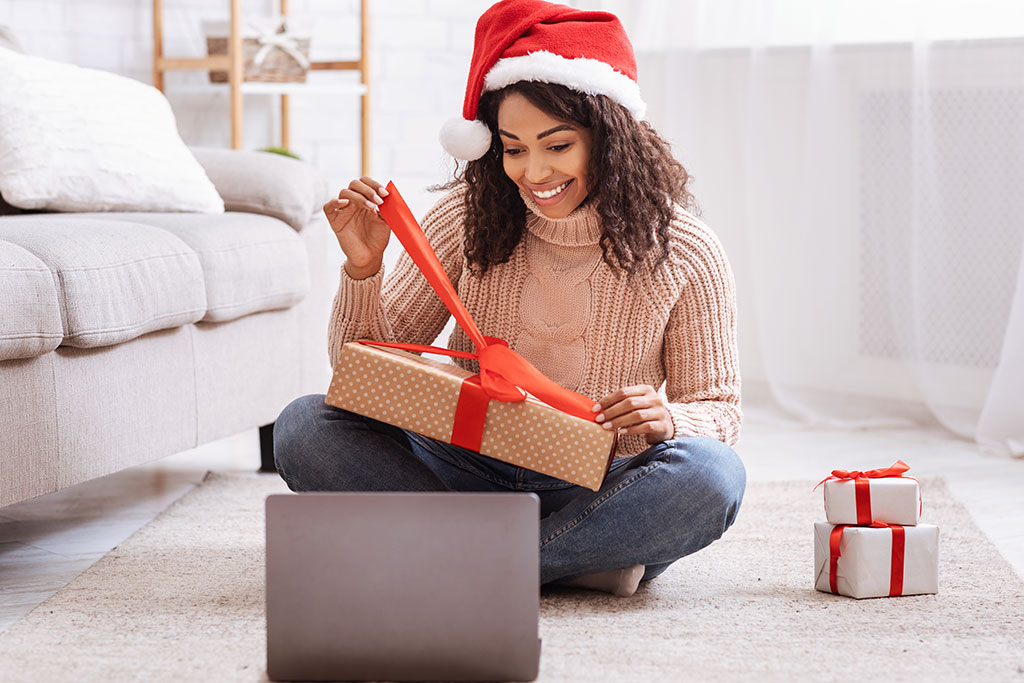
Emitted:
pixel 403 586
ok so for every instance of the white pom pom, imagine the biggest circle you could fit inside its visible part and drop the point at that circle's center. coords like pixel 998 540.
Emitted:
pixel 466 140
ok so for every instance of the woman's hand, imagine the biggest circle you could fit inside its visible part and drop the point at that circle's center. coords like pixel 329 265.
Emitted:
pixel 362 233
pixel 636 410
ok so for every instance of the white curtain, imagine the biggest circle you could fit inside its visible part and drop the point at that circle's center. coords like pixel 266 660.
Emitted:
pixel 863 164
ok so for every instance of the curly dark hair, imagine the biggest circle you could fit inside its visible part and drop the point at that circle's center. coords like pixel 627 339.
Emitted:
pixel 633 179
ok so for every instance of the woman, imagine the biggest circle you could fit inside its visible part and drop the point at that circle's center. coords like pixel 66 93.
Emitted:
pixel 568 234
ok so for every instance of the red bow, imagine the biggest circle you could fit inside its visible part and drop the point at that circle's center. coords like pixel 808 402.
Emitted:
pixel 895 470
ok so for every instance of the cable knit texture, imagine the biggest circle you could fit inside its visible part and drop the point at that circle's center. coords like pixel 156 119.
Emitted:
pixel 563 308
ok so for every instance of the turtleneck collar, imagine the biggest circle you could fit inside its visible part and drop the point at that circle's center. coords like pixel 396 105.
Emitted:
pixel 580 228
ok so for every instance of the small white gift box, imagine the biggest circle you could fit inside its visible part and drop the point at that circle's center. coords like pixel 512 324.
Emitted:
pixel 891 500
pixel 882 495
pixel 873 562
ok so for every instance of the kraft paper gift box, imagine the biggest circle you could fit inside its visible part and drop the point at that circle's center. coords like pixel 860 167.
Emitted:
pixel 892 500
pixel 873 562
pixel 421 394
pixel 882 495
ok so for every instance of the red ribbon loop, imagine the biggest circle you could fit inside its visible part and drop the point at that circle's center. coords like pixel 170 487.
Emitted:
pixel 895 470
pixel 504 374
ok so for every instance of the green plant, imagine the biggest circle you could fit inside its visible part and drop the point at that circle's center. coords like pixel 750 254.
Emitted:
pixel 282 151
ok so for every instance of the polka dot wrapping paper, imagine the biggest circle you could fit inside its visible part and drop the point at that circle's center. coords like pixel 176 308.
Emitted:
pixel 420 394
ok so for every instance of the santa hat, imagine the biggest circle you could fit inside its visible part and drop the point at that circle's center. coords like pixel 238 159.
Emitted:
pixel 530 40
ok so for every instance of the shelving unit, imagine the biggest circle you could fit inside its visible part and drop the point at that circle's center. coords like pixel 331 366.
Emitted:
pixel 237 87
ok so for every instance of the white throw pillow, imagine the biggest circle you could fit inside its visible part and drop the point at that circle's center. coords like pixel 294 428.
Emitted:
pixel 75 139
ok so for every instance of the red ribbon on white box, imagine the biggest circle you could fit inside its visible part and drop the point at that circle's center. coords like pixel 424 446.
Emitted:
pixel 862 484
pixel 899 549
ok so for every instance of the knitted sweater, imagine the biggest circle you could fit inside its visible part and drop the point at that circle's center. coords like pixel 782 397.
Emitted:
pixel 561 307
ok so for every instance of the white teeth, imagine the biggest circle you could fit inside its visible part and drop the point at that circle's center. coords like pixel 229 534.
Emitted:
pixel 552 192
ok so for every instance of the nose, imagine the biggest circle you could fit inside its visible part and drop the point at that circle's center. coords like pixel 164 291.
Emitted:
pixel 538 169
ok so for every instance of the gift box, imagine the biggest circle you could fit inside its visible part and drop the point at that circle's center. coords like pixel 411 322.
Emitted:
pixel 876 561
pixel 882 495
pixel 423 395
pixel 863 501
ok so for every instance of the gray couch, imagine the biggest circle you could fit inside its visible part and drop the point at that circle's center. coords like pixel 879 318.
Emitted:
pixel 126 337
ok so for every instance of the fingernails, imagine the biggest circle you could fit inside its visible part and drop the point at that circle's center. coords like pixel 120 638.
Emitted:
pixel 597 407
pixel 383 192
pixel 342 202
pixel 370 205
pixel 600 418
pixel 607 425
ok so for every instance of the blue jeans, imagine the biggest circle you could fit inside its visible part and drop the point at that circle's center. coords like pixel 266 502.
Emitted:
pixel 653 508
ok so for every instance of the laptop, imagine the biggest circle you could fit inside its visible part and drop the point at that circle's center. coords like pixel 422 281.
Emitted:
pixel 397 586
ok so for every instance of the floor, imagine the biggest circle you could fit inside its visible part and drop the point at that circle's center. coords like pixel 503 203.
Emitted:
pixel 48 541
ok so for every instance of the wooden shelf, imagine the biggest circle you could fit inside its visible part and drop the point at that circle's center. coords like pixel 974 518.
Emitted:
pixel 236 87
pixel 257 88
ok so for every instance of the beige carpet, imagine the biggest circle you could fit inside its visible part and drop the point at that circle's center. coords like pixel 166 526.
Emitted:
pixel 182 600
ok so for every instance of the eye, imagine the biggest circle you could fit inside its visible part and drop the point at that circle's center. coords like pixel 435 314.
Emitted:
pixel 512 151
pixel 559 148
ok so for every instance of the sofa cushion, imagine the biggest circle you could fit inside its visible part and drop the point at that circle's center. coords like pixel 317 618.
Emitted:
pixel 30 325
pixel 76 139
pixel 250 263
pixel 114 280
pixel 266 183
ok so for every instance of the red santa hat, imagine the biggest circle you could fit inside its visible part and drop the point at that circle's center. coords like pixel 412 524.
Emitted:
pixel 530 40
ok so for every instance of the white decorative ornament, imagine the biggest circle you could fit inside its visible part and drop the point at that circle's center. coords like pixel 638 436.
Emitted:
pixel 277 36
pixel 466 140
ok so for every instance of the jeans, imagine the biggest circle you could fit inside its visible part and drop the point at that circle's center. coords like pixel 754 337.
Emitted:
pixel 653 508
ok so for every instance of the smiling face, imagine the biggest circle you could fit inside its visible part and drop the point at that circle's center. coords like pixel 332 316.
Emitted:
pixel 546 157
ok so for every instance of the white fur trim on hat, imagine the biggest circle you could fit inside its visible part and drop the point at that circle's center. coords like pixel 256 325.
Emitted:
pixel 466 140
pixel 590 76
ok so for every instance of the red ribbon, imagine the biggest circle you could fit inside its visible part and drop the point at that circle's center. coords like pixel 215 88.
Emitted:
pixel 504 374
pixel 470 415
pixel 862 486
pixel 896 562
pixel 895 470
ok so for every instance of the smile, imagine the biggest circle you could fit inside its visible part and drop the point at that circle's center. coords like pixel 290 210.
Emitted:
pixel 548 194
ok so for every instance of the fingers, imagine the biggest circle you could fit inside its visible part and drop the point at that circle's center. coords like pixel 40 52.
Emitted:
pixel 375 186
pixel 335 205
pixel 634 418
pixel 347 198
pixel 367 190
pixel 622 394
pixel 625 399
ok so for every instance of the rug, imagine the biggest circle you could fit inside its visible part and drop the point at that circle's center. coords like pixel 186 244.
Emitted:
pixel 182 600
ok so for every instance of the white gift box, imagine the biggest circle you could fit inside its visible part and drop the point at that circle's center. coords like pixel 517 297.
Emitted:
pixel 864 568
pixel 892 500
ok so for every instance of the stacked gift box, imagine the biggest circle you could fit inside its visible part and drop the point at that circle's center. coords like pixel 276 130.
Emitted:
pixel 872 544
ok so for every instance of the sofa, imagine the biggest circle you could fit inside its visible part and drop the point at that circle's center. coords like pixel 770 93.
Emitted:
pixel 129 336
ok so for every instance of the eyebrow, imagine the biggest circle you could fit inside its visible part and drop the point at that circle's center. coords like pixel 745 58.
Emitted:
pixel 540 136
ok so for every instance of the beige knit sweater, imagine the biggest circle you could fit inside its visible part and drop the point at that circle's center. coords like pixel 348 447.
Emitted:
pixel 560 305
